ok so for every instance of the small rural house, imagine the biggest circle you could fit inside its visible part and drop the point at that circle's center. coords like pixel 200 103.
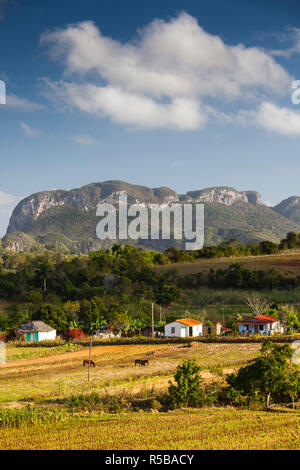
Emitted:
pixel 183 327
pixel 147 331
pixel 215 329
pixel 106 332
pixel 263 324
pixel 37 330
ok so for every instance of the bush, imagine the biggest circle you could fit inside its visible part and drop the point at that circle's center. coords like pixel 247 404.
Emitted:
pixel 75 333
pixel 2 337
pixel 189 390
pixel 90 401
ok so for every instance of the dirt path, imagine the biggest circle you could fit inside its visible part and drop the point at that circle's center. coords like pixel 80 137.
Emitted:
pixel 82 354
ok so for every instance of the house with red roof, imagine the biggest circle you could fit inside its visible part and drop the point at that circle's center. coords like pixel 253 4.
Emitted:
pixel 183 328
pixel 261 324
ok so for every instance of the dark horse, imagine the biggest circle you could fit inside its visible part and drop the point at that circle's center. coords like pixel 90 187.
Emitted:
pixel 142 362
pixel 86 362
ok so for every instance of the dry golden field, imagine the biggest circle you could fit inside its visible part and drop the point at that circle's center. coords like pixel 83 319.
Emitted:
pixel 26 378
pixel 285 263
pixel 46 378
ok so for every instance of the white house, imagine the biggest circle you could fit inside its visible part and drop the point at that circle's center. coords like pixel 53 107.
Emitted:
pixel 183 328
pixel 215 328
pixel 37 331
pixel 106 332
pixel 263 324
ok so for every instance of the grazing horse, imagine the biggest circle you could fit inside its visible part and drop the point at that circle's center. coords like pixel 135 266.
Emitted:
pixel 141 362
pixel 87 362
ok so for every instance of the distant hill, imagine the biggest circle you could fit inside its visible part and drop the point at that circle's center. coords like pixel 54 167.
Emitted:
pixel 66 220
pixel 289 208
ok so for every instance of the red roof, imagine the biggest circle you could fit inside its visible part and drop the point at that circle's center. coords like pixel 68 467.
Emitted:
pixel 267 318
pixel 258 320
pixel 189 321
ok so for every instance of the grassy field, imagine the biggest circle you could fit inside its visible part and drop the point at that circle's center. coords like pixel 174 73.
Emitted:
pixel 177 430
pixel 285 263
pixel 29 378
pixel 48 377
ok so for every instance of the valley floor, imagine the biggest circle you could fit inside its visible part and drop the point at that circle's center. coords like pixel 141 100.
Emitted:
pixel 46 378
pixel 213 428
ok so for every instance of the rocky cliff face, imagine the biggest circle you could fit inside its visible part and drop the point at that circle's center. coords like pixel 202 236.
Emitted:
pixel 85 199
pixel 88 197
pixel 289 208
pixel 223 195
pixel 50 215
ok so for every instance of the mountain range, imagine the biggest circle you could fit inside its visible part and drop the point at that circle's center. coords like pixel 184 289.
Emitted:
pixel 66 220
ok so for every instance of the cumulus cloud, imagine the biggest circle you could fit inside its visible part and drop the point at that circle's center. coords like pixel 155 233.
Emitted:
pixel 283 121
pixel 84 139
pixel 29 131
pixel 163 77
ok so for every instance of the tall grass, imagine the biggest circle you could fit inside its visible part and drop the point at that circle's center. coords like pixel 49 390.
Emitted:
pixel 19 417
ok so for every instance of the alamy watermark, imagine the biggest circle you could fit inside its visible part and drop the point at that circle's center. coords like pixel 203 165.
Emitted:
pixel 2 352
pixel 152 221
pixel 295 356
pixel 2 92
pixel 296 94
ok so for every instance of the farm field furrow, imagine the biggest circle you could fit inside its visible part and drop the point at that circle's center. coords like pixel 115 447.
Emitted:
pixel 208 429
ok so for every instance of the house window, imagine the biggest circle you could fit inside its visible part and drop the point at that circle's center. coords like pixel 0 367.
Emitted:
pixel 173 330
pixel 261 327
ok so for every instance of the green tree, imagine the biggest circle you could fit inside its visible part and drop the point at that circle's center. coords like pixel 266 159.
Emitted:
pixel 52 315
pixel 265 375
pixel 188 390
pixel 289 317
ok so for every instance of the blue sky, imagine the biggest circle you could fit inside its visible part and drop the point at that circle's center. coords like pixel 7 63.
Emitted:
pixel 185 94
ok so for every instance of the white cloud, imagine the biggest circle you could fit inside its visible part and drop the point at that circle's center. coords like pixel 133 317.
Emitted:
pixel 129 108
pixel 292 34
pixel 21 104
pixel 84 140
pixel 163 77
pixel 279 120
pixel 269 203
pixel 29 131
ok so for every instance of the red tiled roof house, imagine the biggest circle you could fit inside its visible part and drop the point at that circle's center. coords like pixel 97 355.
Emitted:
pixel 263 324
pixel 184 327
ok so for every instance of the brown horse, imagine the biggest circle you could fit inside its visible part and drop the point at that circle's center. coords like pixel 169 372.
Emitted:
pixel 141 362
pixel 87 362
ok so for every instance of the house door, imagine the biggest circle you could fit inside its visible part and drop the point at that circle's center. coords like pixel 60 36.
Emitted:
pixel 28 336
pixel 255 328
pixel 190 331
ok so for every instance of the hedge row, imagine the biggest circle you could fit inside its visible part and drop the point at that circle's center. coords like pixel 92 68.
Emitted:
pixel 145 340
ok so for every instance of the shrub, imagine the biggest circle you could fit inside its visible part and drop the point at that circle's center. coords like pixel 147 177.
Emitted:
pixel 90 401
pixel 156 405
pixel 2 337
pixel 189 390
pixel 75 333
